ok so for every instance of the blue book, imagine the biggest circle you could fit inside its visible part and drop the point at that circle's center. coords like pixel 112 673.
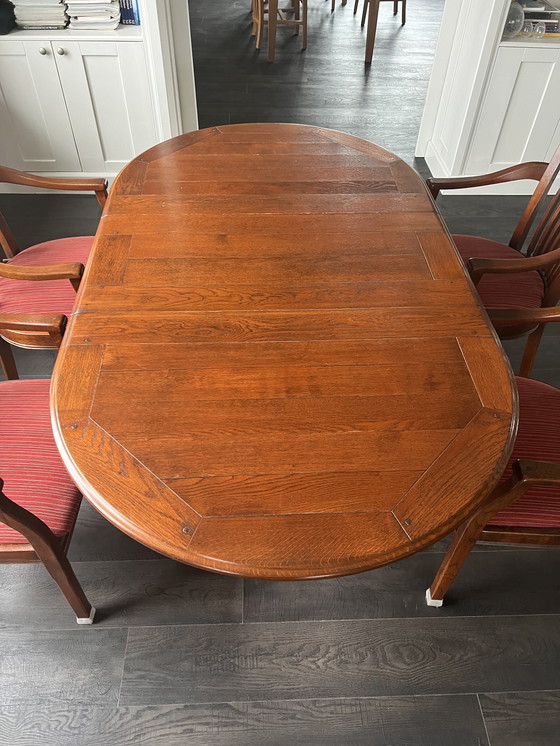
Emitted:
pixel 135 12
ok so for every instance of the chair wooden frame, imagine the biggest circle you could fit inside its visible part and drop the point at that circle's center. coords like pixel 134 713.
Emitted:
pixel 525 474
pixel 42 544
pixel 543 250
pixel 395 9
pixel 71 271
pixel 298 8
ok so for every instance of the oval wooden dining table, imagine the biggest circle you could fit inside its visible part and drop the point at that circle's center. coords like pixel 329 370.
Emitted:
pixel 277 366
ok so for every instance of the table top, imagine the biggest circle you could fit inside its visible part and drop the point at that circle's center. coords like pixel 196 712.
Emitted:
pixel 277 366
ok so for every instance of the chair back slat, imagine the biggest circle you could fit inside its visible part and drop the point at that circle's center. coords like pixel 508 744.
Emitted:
pixel 543 187
pixel 7 240
pixel 547 234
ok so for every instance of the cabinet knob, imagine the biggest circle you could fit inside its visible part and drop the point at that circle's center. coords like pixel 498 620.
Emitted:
pixel 60 50
pixel 42 50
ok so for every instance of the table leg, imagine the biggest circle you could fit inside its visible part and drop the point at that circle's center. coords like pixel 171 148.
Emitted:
pixel 272 15
pixel 371 28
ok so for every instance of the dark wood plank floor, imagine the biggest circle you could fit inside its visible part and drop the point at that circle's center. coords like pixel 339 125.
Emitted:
pixel 179 656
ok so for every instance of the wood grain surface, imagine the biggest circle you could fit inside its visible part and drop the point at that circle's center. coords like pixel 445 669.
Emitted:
pixel 277 366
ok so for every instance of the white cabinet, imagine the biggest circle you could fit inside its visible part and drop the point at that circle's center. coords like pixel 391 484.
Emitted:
pixel 108 100
pixel 491 103
pixel 74 105
pixel 520 113
pixel 36 131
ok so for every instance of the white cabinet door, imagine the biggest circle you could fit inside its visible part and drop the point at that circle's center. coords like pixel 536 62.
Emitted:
pixel 108 99
pixel 35 130
pixel 520 114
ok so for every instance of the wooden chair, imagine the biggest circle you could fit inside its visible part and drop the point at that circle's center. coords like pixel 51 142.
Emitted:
pixel 395 9
pixel 40 504
pixel 298 11
pixel 42 279
pixel 525 505
pixel 504 277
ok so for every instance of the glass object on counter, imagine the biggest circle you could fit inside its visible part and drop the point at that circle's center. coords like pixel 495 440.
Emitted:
pixel 539 29
pixel 515 20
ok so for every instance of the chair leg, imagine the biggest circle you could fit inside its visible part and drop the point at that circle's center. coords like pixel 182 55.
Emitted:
pixel 364 12
pixel 333 5
pixel 356 6
pixel 464 540
pixel 531 348
pixel 395 7
pixel 297 16
pixel 403 17
pixel 49 550
pixel 259 5
pixel 304 24
pixel 254 17
pixel 7 361
pixel 60 569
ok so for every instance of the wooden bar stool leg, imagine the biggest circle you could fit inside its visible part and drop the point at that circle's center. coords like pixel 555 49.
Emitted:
pixel 254 11
pixel 297 16
pixel 373 13
pixel 530 352
pixel 304 24
pixel 272 18
pixel 356 6
pixel 395 7
pixel 403 17
pixel 259 4
pixel 364 12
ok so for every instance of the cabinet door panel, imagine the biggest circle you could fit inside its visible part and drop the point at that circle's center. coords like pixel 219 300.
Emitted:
pixel 519 114
pixel 36 132
pixel 109 102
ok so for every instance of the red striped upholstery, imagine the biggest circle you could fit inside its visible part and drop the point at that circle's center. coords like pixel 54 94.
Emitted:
pixel 538 438
pixel 523 290
pixel 49 296
pixel 33 473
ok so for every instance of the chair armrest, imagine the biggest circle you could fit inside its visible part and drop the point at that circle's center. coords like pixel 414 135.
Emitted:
pixel 478 267
pixel 533 170
pixel 532 473
pixel 69 271
pixel 13 176
pixel 53 325
pixel 517 316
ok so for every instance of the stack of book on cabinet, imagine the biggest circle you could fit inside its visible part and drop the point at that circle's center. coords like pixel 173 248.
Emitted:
pixel 104 15
pixel 40 14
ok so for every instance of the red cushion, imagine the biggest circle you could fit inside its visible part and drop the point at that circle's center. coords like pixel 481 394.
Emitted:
pixel 49 296
pixel 523 290
pixel 538 438
pixel 33 473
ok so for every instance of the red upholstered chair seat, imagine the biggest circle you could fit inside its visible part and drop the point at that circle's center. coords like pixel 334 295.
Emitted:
pixel 523 290
pixel 538 438
pixel 47 296
pixel 33 473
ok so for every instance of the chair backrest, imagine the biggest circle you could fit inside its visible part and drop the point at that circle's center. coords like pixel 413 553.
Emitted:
pixel 13 176
pixel 52 324
pixel 524 225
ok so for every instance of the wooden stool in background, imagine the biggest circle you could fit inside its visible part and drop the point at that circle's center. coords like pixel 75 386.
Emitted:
pixel 373 7
pixel 395 9
pixel 344 2
pixel 267 13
